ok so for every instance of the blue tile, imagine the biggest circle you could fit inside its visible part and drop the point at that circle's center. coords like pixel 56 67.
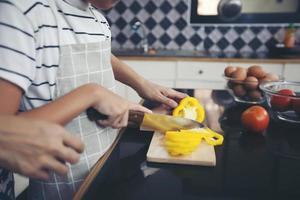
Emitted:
pixel 181 23
pixel 256 29
pixel 180 39
pixel 224 29
pixel 151 38
pixel 209 29
pixel 239 43
pixel 150 23
pixel 222 43
pixel 208 43
pixel 271 42
pixel 181 7
pixel 165 39
pixel 240 29
pixel 165 7
pixel 273 29
pixel 135 38
pixel 195 39
pixel 255 43
pixel 121 23
pixel 150 7
pixel 196 28
pixel 135 7
pixel 121 38
pixel 165 23
pixel 120 7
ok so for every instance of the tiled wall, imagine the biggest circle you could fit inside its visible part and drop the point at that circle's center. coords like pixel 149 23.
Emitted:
pixel 167 27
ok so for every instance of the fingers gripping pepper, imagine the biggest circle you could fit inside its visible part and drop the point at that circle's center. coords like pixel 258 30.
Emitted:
pixel 190 108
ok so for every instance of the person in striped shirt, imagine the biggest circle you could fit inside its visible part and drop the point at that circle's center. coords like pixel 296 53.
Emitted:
pixel 55 62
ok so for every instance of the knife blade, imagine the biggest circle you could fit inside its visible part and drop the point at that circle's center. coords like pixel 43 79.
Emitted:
pixel 158 122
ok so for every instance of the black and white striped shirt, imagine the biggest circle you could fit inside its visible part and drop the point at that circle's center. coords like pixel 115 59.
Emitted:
pixel 29 46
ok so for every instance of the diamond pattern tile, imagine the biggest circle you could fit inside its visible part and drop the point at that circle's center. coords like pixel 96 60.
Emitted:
pixel 150 7
pixel 166 25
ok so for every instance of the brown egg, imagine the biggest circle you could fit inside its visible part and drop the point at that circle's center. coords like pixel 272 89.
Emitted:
pixel 229 70
pixel 240 74
pixel 272 77
pixel 251 83
pixel 256 71
pixel 255 95
pixel 239 91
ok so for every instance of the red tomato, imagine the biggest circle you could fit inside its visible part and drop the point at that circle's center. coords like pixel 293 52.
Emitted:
pixel 282 103
pixel 296 105
pixel 255 119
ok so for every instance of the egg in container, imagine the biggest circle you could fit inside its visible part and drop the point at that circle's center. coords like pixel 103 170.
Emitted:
pixel 243 83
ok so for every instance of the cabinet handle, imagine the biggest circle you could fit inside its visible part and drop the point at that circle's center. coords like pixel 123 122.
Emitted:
pixel 200 71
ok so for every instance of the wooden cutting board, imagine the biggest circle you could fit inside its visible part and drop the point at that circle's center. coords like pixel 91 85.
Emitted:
pixel 204 155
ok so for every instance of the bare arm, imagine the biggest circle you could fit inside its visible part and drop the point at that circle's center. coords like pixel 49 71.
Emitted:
pixel 60 111
pixel 125 74
pixel 146 89
pixel 65 108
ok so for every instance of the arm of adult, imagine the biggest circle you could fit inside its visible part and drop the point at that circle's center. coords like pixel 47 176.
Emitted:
pixel 145 88
pixel 67 107
pixel 33 148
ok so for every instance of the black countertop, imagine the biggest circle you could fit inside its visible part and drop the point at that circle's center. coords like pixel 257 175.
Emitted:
pixel 248 166
pixel 198 54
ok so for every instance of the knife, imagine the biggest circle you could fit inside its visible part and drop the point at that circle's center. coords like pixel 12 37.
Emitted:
pixel 158 122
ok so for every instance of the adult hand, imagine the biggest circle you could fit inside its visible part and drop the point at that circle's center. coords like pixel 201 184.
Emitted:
pixel 161 94
pixel 33 148
pixel 116 108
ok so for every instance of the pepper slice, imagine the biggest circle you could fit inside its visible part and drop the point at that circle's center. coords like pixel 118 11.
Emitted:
pixel 190 108
pixel 184 142
pixel 181 142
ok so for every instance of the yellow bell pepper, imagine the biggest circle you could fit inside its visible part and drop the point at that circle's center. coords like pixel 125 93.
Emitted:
pixel 181 142
pixel 184 142
pixel 190 108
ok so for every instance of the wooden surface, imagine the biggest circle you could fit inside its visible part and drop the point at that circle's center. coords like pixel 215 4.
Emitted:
pixel 204 155
pixel 195 59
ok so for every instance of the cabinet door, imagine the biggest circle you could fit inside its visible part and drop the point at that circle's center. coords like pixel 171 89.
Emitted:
pixel 201 71
pixel 162 70
pixel 292 72
pixel 200 84
pixel 268 67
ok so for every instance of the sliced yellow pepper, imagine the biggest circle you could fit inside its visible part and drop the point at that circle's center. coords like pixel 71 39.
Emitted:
pixel 181 142
pixel 184 142
pixel 190 108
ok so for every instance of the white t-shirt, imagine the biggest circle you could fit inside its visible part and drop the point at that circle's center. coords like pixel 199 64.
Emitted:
pixel 29 46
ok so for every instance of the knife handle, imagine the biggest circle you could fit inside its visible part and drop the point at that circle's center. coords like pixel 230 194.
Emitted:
pixel 94 115
pixel 135 118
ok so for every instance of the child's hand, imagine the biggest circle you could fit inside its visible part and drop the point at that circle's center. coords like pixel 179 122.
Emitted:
pixel 161 94
pixel 116 108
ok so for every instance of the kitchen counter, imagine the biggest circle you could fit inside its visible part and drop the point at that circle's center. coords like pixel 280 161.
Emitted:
pixel 248 166
pixel 175 55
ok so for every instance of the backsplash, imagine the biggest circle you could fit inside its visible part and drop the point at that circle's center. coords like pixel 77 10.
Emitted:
pixel 167 27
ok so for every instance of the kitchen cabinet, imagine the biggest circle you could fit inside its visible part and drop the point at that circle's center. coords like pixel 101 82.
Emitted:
pixel 292 72
pixel 198 72
pixel 191 74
